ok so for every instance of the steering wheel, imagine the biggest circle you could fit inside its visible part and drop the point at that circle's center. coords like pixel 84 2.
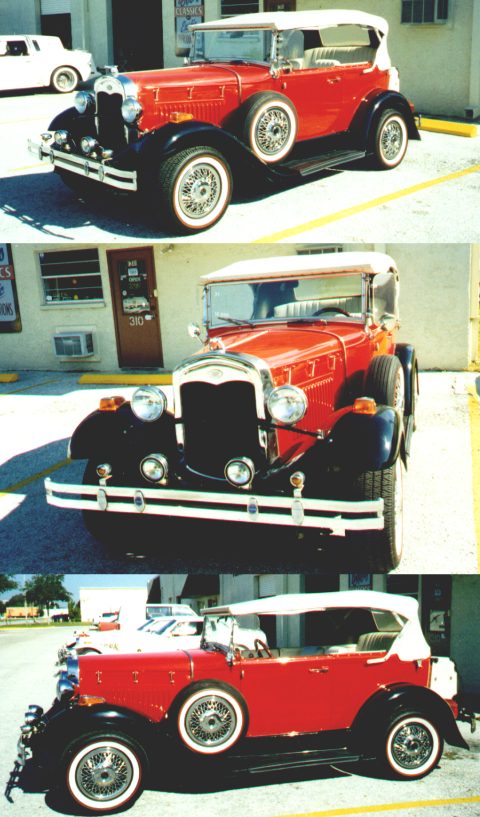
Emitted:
pixel 330 309
pixel 260 647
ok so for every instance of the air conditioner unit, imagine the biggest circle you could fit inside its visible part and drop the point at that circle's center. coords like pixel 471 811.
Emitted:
pixel 73 344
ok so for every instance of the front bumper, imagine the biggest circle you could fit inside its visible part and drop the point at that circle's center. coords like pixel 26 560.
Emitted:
pixel 99 171
pixel 331 515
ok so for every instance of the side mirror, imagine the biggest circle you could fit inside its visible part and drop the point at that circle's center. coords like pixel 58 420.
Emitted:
pixel 388 321
pixel 194 330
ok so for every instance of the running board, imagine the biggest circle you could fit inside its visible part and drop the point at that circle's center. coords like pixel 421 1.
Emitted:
pixel 306 167
pixel 294 760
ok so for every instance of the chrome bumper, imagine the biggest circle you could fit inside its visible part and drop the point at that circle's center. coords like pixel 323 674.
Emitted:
pixel 101 172
pixel 334 516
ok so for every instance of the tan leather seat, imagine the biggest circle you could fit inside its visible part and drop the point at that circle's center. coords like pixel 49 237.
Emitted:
pixel 375 642
pixel 338 55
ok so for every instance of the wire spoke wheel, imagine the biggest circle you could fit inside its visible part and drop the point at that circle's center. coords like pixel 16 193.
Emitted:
pixel 104 774
pixel 273 131
pixel 412 745
pixel 210 721
pixel 200 190
pixel 391 140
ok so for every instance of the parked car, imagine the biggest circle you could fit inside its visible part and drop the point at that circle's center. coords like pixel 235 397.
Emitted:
pixel 108 621
pixel 272 96
pixel 155 610
pixel 158 635
pixel 37 61
pixel 298 411
pixel 363 687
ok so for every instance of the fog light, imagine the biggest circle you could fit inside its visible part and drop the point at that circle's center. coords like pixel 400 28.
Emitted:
pixel 88 144
pixel 61 137
pixel 297 480
pixel 37 710
pixel 104 470
pixel 240 472
pixel 154 467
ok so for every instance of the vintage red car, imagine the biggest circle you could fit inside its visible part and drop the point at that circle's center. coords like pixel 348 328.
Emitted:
pixel 270 96
pixel 359 685
pixel 298 411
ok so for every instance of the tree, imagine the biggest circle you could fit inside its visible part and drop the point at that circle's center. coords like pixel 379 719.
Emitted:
pixel 44 590
pixel 7 582
pixel 74 610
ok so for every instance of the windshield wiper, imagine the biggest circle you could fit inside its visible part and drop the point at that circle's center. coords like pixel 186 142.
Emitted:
pixel 235 321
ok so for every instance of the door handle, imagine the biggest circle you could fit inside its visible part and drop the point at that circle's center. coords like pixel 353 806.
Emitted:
pixel 318 669
pixel 333 80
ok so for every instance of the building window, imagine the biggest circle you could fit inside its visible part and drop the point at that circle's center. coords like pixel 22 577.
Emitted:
pixel 229 8
pixel 424 11
pixel 71 276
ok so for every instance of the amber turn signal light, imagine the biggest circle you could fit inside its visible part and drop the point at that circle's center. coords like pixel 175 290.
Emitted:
pixel 89 700
pixel 364 405
pixel 111 403
pixel 179 116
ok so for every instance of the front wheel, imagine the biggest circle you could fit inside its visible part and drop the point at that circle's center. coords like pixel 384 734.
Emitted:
pixel 412 746
pixel 382 548
pixel 104 773
pixel 194 189
pixel 64 79
pixel 390 140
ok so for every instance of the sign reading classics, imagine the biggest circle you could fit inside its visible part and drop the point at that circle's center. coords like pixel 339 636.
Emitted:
pixel 187 12
pixel 9 311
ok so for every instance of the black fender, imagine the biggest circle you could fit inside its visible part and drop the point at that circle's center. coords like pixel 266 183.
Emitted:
pixel 173 137
pixel 365 442
pixel 363 126
pixel 75 123
pixel 67 724
pixel 120 433
pixel 372 720
pixel 408 358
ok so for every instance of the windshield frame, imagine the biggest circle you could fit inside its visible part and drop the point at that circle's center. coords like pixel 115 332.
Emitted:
pixel 197 60
pixel 238 324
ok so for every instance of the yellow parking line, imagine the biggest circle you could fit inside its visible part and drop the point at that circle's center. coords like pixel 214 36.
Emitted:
pixel 27 167
pixel 415 804
pixel 367 205
pixel 127 379
pixel 33 386
pixel 474 409
pixel 19 485
pixel 10 377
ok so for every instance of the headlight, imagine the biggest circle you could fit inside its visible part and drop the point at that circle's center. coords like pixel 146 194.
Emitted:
pixel 154 467
pixel 287 404
pixel 148 403
pixel 240 472
pixel 131 109
pixel 83 101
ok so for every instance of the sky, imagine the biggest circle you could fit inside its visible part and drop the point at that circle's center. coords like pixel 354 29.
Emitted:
pixel 74 581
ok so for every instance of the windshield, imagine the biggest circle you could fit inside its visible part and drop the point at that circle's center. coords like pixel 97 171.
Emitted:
pixel 325 297
pixel 227 631
pixel 228 46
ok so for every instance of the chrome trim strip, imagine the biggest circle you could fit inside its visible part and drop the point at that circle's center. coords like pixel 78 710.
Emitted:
pixel 86 167
pixel 210 505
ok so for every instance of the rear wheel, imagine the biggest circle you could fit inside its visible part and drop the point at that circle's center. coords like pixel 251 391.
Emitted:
pixel 64 79
pixel 211 720
pixel 104 772
pixel 390 140
pixel 270 126
pixel 412 746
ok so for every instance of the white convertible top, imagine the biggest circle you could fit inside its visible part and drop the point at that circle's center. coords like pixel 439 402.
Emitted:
pixel 283 20
pixel 265 269
pixel 409 645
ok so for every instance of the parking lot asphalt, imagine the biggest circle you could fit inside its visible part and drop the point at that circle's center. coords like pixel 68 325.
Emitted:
pixel 433 192
pixel 27 675
pixel 40 411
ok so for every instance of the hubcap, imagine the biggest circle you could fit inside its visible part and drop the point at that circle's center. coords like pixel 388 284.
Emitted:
pixel 272 131
pixel 412 746
pixel 391 140
pixel 200 191
pixel 64 80
pixel 210 721
pixel 104 774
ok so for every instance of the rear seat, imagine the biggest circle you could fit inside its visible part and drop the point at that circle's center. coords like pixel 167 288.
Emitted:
pixel 326 56
pixel 375 642
pixel 303 309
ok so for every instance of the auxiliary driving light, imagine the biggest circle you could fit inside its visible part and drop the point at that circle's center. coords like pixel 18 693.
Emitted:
pixel 104 470
pixel 88 144
pixel 240 472
pixel 297 480
pixel 61 137
pixel 154 467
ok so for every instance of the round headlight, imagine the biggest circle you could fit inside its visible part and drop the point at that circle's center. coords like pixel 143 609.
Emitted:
pixel 131 109
pixel 148 403
pixel 83 101
pixel 240 472
pixel 154 467
pixel 88 144
pixel 287 404
pixel 61 137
